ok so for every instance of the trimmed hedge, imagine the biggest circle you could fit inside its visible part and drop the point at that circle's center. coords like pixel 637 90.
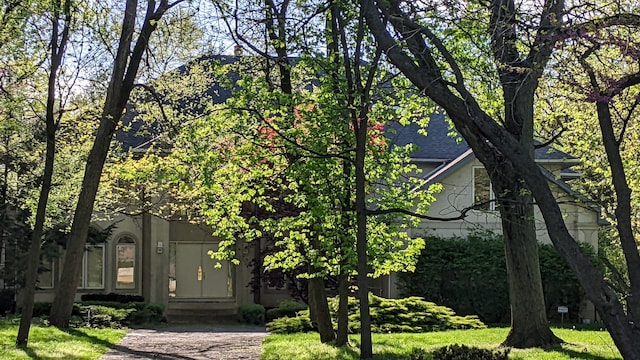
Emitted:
pixel 387 315
pixel 469 275
pixel 112 297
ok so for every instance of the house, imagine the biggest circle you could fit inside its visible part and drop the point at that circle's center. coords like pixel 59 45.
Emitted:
pixel 166 260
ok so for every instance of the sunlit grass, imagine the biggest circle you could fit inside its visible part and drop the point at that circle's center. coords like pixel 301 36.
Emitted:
pixel 583 344
pixel 52 343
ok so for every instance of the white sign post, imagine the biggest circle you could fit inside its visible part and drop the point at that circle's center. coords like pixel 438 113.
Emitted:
pixel 562 310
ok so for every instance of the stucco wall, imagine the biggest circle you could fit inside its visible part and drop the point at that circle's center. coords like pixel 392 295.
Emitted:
pixel 457 194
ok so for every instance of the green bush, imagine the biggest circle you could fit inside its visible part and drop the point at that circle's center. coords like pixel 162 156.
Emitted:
pixel 463 352
pixel 99 316
pixel 272 314
pixel 388 315
pixel 291 308
pixel 286 308
pixel 290 325
pixel 469 275
pixel 7 301
pixel 252 313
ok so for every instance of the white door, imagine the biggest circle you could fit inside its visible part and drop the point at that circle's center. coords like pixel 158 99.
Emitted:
pixel 193 274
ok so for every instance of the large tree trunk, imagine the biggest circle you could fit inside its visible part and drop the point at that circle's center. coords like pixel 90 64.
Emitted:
pixel 125 69
pixel 529 325
pixel 33 259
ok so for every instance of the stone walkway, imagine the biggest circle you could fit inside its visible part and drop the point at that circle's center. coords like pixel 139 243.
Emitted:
pixel 190 342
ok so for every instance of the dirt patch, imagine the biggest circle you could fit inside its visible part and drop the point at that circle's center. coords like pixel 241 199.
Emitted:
pixel 190 342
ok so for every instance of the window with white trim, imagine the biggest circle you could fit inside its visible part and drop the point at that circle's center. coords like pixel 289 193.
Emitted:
pixel 126 263
pixel 483 195
pixel 93 267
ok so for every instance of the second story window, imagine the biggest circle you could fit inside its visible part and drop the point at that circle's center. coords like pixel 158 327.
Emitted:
pixel 482 190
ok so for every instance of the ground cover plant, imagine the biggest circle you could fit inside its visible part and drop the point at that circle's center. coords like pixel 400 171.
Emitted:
pixel 47 342
pixel 581 344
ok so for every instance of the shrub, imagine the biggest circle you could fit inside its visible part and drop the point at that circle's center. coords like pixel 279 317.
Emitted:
pixel 291 308
pixel 252 313
pixel 289 325
pixel 469 275
pixel 41 309
pixel 286 308
pixel 272 314
pixel 99 316
pixel 7 301
pixel 463 352
pixel 389 315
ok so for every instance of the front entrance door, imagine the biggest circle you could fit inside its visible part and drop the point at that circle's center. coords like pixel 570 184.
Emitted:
pixel 193 274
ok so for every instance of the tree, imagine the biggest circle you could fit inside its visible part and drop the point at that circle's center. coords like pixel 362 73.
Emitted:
pixel 125 69
pixel 59 38
pixel 493 143
pixel 517 77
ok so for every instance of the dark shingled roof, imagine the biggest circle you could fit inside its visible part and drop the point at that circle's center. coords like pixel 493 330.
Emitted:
pixel 443 143
pixel 436 145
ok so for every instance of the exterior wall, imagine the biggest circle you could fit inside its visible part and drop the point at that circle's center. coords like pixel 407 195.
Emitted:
pixel 457 194
pixel 127 226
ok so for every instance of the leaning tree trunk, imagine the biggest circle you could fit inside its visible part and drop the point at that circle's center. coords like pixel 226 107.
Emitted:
pixel 31 277
pixel 320 308
pixel 125 70
pixel 342 337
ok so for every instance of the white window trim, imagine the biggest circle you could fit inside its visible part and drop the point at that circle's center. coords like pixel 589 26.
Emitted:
pixel 492 195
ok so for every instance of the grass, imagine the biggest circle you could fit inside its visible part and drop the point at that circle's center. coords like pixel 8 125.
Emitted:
pixel 52 343
pixel 583 344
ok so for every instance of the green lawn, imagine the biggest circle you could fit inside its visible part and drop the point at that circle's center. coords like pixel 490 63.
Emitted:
pixel 51 343
pixel 591 345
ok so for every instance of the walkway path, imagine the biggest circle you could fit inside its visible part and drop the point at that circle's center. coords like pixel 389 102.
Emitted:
pixel 190 342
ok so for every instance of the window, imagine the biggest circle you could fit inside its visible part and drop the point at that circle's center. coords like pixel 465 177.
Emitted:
pixel 482 190
pixel 126 263
pixel 45 274
pixel 93 267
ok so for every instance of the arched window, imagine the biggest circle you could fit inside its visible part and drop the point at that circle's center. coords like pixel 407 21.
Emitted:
pixel 126 263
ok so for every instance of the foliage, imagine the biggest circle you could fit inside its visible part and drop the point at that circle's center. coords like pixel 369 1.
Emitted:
pixel 462 352
pixel 7 301
pixel 305 346
pixel 469 275
pixel 291 325
pixel 252 313
pixel 290 308
pixel 47 342
pixel 286 308
pixel 112 314
pixel 411 314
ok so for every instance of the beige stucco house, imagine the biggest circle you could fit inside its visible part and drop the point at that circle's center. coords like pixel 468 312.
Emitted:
pixel 167 262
